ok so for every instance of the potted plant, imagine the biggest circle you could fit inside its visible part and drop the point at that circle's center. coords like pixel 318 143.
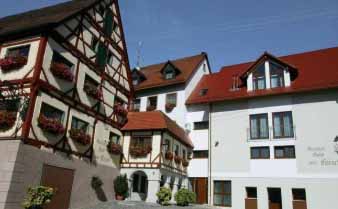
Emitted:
pixel 79 136
pixel 7 119
pixel 177 159
pixel 11 63
pixel 138 151
pixel 121 187
pixel 37 197
pixel 121 113
pixel 93 91
pixel 169 155
pixel 169 107
pixel 164 196
pixel 185 163
pixel 50 125
pixel 184 197
pixel 114 148
pixel 62 71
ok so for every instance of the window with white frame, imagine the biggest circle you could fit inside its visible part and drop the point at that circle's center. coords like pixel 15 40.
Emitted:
pixel 259 126
pixel 258 78
pixel 22 51
pixel 282 124
pixel 276 75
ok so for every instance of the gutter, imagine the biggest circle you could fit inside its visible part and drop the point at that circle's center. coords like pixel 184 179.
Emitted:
pixel 209 156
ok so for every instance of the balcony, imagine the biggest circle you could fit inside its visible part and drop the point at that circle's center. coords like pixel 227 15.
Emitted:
pixel 270 136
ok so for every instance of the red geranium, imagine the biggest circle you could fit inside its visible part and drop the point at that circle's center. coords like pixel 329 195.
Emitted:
pixel 93 91
pixel 62 71
pixel 51 125
pixel 114 148
pixel 79 136
pixel 140 151
pixel 120 110
pixel 177 159
pixel 7 119
pixel 185 163
pixel 12 63
pixel 169 155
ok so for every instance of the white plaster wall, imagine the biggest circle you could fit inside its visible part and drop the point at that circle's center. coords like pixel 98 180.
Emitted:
pixel 198 168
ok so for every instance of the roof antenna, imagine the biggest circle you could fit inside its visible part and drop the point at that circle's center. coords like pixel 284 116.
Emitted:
pixel 138 63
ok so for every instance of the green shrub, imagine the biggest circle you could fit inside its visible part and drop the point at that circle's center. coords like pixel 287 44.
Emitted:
pixel 121 185
pixel 164 195
pixel 184 197
pixel 37 197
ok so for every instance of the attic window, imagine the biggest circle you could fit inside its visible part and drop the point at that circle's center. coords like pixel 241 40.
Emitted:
pixel 258 78
pixel 169 72
pixel 276 75
pixel 203 92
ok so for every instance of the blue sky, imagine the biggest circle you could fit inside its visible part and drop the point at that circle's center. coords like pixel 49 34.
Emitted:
pixel 229 31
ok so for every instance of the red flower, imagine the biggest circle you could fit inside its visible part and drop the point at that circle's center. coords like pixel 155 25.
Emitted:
pixel 178 159
pixel 79 136
pixel 120 110
pixel 51 125
pixel 93 91
pixel 169 107
pixel 114 148
pixel 140 151
pixel 185 163
pixel 62 71
pixel 7 119
pixel 169 155
pixel 12 63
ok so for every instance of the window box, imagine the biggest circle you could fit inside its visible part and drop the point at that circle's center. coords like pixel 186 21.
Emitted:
pixel 169 155
pixel 50 125
pixel 139 151
pixel 114 148
pixel 185 163
pixel 151 108
pixel 120 110
pixel 7 120
pixel 92 91
pixel 12 63
pixel 169 107
pixel 79 136
pixel 62 71
pixel 177 159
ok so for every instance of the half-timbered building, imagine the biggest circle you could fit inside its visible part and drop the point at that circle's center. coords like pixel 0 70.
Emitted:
pixel 65 90
pixel 157 152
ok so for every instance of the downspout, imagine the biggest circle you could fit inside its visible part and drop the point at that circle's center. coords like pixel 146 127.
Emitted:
pixel 209 155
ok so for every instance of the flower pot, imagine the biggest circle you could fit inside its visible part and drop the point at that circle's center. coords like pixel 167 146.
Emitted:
pixel 62 71
pixel 80 136
pixel 115 149
pixel 119 197
pixel 169 156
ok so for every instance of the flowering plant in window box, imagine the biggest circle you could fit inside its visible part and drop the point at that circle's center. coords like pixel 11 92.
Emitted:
pixel 62 71
pixel 50 125
pixel 151 108
pixel 169 155
pixel 11 63
pixel 93 91
pixel 79 136
pixel 120 110
pixel 177 159
pixel 138 151
pixel 185 163
pixel 169 107
pixel 7 119
pixel 114 148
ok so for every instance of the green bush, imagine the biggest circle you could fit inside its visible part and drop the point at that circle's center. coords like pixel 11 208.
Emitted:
pixel 164 195
pixel 121 185
pixel 184 197
pixel 37 197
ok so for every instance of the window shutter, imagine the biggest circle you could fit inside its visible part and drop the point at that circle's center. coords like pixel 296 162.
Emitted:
pixel 101 55
pixel 108 23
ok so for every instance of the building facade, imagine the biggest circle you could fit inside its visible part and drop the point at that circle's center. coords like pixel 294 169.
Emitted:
pixel 166 87
pixel 65 90
pixel 273 123
pixel 156 153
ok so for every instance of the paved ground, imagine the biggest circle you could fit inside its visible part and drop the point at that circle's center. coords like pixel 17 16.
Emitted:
pixel 142 205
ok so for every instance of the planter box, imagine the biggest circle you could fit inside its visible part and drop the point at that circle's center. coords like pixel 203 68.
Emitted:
pixel 140 151
pixel 177 159
pixel 62 71
pixel 185 163
pixel 80 136
pixel 93 91
pixel 12 63
pixel 50 125
pixel 115 149
pixel 169 156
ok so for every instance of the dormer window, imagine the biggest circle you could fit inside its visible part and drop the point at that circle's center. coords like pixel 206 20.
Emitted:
pixel 169 74
pixel 258 78
pixel 276 75
pixel 169 71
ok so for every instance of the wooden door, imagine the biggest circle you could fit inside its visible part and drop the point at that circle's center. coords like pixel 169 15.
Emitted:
pixel 200 187
pixel 62 180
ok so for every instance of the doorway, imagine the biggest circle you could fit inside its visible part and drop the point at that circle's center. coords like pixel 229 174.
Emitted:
pixel 139 186
pixel 275 198
pixel 200 187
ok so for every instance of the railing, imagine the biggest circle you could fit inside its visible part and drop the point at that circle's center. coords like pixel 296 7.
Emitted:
pixel 271 136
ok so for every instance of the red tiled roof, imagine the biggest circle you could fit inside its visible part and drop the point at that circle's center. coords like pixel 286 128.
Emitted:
pixel 316 70
pixel 154 77
pixel 155 120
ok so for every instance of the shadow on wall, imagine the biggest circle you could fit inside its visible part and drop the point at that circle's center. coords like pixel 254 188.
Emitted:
pixel 100 194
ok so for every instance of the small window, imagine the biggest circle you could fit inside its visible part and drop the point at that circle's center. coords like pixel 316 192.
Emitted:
pixel 58 58
pixel 80 124
pixel 203 92
pixel 299 194
pixel 152 103
pixel 9 105
pixel 259 126
pixel 276 75
pixel 285 152
pixel 110 58
pixel 177 150
pixel 91 87
pixel 258 78
pixel 169 72
pixel 114 138
pixel 222 193
pixel 141 141
pixel 166 146
pixel 251 192
pixel 22 51
pixel 260 152
pixel 200 154
pixel 136 105
pixel 171 99
pixel 282 125
pixel 202 125
pixel 51 112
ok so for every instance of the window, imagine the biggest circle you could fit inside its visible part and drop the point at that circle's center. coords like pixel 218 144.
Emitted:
pixel 260 152
pixel 203 92
pixel 114 138
pixel 166 145
pixel 137 105
pixel 184 154
pixel 51 112
pixel 282 125
pixel 285 152
pixel 110 58
pixel 9 105
pixel 58 58
pixel 202 125
pixel 171 99
pixel 169 72
pixel 259 126
pixel 276 75
pixel 79 124
pixel 298 194
pixel 177 150
pixel 251 192
pixel 18 51
pixel 200 154
pixel 222 193
pixel 152 103
pixel 140 141
pixel 258 78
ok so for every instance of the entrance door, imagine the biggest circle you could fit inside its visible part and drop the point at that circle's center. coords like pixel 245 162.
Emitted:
pixel 275 198
pixel 60 179
pixel 200 187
